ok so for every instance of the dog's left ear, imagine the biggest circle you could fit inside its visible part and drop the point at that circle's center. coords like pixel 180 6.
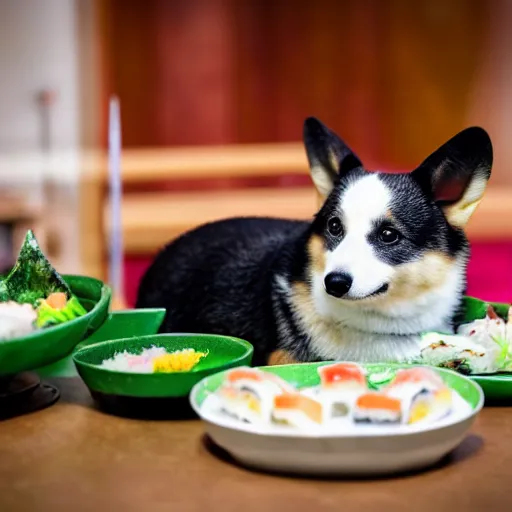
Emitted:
pixel 329 157
pixel 456 175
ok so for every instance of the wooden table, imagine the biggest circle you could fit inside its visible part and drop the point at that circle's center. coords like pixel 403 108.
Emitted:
pixel 72 457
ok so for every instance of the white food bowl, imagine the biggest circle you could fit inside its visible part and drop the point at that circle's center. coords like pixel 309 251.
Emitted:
pixel 359 451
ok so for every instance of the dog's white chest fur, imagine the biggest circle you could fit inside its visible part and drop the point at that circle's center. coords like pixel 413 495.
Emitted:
pixel 347 344
pixel 342 330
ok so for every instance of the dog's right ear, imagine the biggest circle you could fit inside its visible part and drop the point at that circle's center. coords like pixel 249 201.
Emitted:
pixel 455 176
pixel 329 157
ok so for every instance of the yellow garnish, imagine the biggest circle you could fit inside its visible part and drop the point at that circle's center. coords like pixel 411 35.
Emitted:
pixel 419 412
pixel 253 403
pixel 179 361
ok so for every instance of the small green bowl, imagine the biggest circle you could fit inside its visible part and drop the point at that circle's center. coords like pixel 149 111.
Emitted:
pixel 45 346
pixel 155 394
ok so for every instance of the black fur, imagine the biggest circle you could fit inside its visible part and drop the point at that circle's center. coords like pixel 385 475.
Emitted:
pixel 221 277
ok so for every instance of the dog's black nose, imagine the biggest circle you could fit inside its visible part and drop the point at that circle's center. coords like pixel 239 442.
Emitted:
pixel 337 284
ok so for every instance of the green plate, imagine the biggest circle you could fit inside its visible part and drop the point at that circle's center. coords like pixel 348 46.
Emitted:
pixel 116 390
pixel 46 346
pixel 497 388
pixel 476 309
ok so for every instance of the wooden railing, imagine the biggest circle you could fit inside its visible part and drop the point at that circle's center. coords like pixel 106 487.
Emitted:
pixel 151 219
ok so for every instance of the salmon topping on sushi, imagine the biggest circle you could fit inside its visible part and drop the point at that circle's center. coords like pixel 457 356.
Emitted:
pixel 243 374
pixel 379 401
pixel 416 376
pixel 342 375
pixel 299 403
pixel 239 375
pixel 376 407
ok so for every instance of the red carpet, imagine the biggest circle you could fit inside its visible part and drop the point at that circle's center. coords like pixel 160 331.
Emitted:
pixel 489 275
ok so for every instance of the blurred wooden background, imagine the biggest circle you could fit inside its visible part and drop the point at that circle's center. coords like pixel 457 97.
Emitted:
pixel 198 78
pixel 394 77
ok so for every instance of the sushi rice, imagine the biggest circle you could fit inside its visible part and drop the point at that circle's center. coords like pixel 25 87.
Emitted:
pixel 16 320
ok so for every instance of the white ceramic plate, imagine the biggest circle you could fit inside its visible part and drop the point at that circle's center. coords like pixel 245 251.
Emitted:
pixel 368 451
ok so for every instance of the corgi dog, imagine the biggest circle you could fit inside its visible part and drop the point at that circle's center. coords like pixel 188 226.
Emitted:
pixel 382 261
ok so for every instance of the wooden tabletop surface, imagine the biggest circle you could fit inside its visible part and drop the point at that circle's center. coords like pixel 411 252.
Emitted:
pixel 71 457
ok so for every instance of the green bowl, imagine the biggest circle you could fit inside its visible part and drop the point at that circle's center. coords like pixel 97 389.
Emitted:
pixel 117 325
pixel 46 346
pixel 142 394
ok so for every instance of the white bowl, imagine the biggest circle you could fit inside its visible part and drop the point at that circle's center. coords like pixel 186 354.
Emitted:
pixel 371 451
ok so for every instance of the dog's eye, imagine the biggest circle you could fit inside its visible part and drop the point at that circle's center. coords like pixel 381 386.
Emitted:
pixel 389 235
pixel 334 226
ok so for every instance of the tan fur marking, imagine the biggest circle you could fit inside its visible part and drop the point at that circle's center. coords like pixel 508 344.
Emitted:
pixel 333 159
pixel 322 180
pixel 305 308
pixel 316 252
pixel 281 357
pixel 458 214
pixel 418 277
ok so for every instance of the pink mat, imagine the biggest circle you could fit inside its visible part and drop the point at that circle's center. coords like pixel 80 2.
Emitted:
pixel 488 273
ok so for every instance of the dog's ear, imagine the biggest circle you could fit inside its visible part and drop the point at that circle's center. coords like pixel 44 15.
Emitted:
pixel 329 157
pixel 456 175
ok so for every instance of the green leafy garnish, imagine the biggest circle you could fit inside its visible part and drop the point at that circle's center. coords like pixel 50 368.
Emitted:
pixel 46 315
pixel 379 379
pixel 4 295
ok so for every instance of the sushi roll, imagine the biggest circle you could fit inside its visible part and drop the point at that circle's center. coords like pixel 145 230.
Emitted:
pixel 297 410
pixel 343 377
pixel 239 376
pixel 418 375
pixel 340 385
pixel 491 334
pixel 245 404
pixel 423 394
pixel 377 408
pixel 460 353
pixel 427 405
pixel 248 394
pixel 16 320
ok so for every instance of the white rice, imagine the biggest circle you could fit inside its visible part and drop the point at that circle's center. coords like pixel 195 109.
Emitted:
pixel 16 320
pixel 134 363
